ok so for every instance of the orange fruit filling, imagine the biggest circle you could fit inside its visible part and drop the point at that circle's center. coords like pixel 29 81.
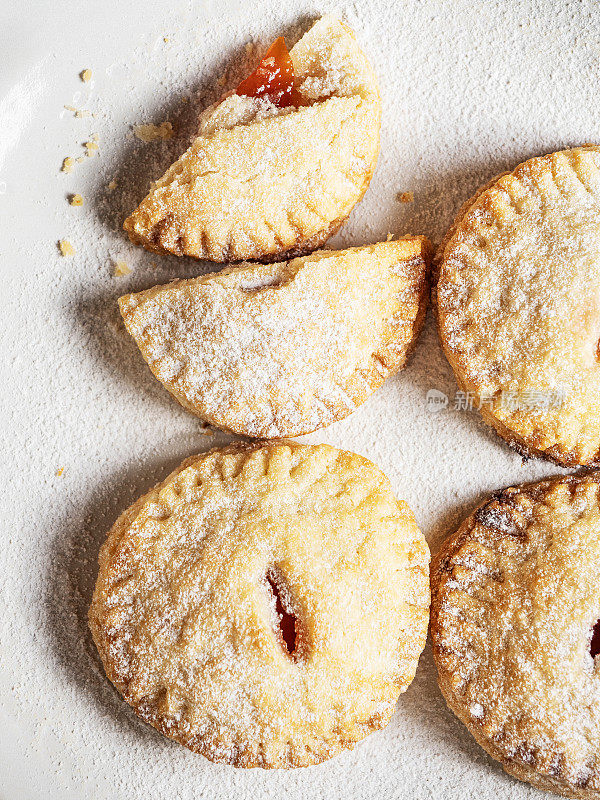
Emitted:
pixel 273 78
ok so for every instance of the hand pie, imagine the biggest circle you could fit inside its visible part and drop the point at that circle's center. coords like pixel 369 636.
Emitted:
pixel 264 606
pixel 516 639
pixel 277 165
pixel 271 350
pixel 518 304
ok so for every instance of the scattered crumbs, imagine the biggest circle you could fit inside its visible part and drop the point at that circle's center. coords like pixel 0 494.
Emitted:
pixel 59 472
pixel 67 164
pixel 80 159
pixel 75 200
pixel 78 112
pixel 406 197
pixel 91 148
pixel 149 133
pixel 86 75
pixel 390 236
pixel 66 248
pixel 165 38
pixel 120 269
pixel 112 186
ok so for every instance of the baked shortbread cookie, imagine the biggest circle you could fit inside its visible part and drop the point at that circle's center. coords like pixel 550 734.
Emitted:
pixel 264 607
pixel 518 304
pixel 271 350
pixel 514 623
pixel 273 174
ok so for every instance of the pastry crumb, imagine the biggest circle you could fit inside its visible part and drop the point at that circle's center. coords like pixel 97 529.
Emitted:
pixel 150 132
pixel 75 200
pixel 80 160
pixel 78 112
pixel 59 472
pixel 390 236
pixel 112 186
pixel 67 164
pixel 66 248
pixel 86 75
pixel 120 269
pixel 165 38
pixel 91 148
pixel 406 197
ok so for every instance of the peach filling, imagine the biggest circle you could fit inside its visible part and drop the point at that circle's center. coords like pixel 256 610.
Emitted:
pixel 273 78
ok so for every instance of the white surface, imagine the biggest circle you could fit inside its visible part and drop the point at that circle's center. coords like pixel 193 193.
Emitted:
pixel 469 89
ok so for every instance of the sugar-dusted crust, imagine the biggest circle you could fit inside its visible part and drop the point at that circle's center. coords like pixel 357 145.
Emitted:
pixel 518 307
pixel 515 596
pixel 265 183
pixel 187 629
pixel 280 350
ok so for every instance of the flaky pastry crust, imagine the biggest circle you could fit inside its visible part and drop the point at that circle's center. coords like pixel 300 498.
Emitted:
pixel 266 183
pixel 284 349
pixel 186 623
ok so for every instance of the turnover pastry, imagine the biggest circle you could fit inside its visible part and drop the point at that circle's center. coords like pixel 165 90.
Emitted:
pixel 271 350
pixel 518 304
pixel 516 638
pixel 264 607
pixel 278 164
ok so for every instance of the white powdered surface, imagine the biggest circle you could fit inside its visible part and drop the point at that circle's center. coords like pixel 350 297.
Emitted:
pixel 469 88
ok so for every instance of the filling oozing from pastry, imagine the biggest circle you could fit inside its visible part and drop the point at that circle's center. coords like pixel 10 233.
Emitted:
pixel 286 619
pixel 595 641
pixel 273 79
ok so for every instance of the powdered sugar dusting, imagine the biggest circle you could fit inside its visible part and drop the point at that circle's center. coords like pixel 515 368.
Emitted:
pixel 467 93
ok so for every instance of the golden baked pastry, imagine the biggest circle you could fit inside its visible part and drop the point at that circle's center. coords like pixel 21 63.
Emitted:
pixel 514 623
pixel 264 606
pixel 271 350
pixel 519 308
pixel 273 174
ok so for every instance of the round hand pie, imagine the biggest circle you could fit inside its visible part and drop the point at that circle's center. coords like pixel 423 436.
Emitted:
pixel 518 304
pixel 514 622
pixel 283 349
pixel 264 607
pixel 278 164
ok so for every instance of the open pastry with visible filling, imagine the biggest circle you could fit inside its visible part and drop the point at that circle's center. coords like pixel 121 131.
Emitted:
pixel 278 164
